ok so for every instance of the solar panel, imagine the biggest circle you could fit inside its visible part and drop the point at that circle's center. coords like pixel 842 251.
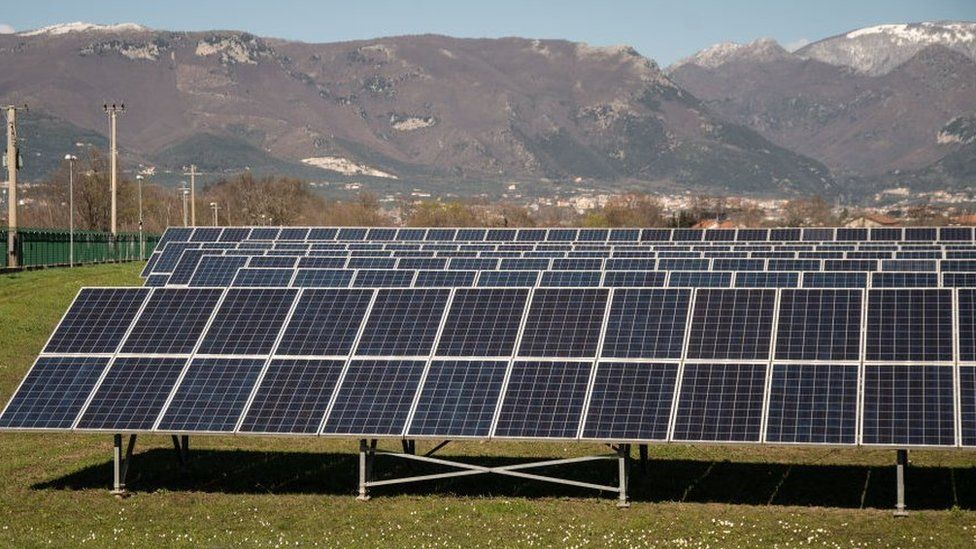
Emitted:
pixel 97 320
pixel 731 324
pixel 186 266
pixel 835 280
pixel 235 234
pixel 53 392
pixel 132 394
pixel 543 400
pixel 967 407
pixel 459 398
pixel 483 322
pixel 216 270
pixel 247 322
pixel 634 279
pixel 272 262
pixel 571 279
pixel 908 405
pixel 322 233
pixel 699 279
pixel 720 402
pixel 909 325
pixel 510 279
pixel 564 323
pixel 763 279
pixel 403 322
pixel 374 397
pixel 292 396
pixel 371 263
pixel 813 403
pixel 378 278
pixel 631 401
pixel 422 263
pixel 262 278
pixel 325 322
pixel 313 262
pixel 819 325
pixel 428 279
pixel 172 321
pixel 212 395
pixel 323 278
pixel 904 280
pixel 646 323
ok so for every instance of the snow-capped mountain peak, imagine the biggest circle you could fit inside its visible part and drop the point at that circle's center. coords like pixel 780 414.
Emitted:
pixel 763 49
pixel 79 26
pixel 879 49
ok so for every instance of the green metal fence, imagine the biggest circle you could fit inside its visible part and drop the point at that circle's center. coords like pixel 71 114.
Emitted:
pixel 49 247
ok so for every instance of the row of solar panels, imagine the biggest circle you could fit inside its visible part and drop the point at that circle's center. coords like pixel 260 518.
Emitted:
pixel 828 366
pixel 213 234
pixel 229 271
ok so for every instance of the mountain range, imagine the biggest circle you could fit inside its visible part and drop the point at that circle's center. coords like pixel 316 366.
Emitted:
pixel 470 116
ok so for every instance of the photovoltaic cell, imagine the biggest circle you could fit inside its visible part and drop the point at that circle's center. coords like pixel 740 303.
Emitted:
pixel 378 278
pixel 733 324
pixel 212 395
pixel 564 323
pixel 156 281
pixel 97 320
pixel 509 279
pixel 699 279
pixel 321 262
pixel 292 397
pixel 262 278
pixel 247 322
pixel 375 397
pixel 132 394
pixel 217 270
pixel 571 279
pixel 908 405
pixel 835 280
pixel 429 279
pixel 909 325
pixel 483 322
pixel 967 408
pixel 325 322
pixel 323 278
pixel 634 279
pixel 543 400
pixel 819 325
pixel 631 401
pixel 403 322
pixel 646 323
pixel 172 321
pixel 813 403
pixel 967 325
pixel 272 262
pixel 53 393
pixel 720 402
pixel 904 280
pixel 186 266
pixel 753 279
pixel 458 398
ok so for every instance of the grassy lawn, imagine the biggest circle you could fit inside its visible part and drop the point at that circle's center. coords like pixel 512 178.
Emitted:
pixel 278 491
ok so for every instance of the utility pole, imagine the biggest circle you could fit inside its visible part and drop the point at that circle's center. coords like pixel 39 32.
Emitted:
pixel 142 243
pixel 193 194
pixel 214 207
pixel 12 160
pixel 71 208
pixel 184 192
pixel 112 111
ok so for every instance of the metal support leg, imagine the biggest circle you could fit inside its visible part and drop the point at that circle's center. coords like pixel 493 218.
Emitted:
pixel 623 464
pixel 186 447
pixel 121 464
pixel 643 458
pixel 181 445
pixel 410 447
pixel 901 463
pixel 363 469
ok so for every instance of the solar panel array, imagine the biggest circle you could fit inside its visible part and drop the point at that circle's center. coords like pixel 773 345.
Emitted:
pixel 622 335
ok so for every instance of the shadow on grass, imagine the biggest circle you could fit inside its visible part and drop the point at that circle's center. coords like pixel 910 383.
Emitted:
pixel 250 472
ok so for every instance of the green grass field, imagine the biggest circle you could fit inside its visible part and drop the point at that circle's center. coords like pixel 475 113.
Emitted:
pixel 271 492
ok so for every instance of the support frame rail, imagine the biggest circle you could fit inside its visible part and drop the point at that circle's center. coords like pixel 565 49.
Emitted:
pixel 368 454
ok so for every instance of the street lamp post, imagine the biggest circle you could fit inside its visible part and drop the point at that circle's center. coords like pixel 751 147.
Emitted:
pixel 71 208
pixel 142 242
pixel 214 207
pixel 185 192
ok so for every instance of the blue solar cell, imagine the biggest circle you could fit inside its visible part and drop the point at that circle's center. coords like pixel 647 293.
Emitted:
pixel 500 235
pixel 235 234
pixel 904 280
pixel 292 396
pixel 170 255
pixel 634 279
pixel 813 403
pixel 53 393
pixel 543 400
pixel 325 322
pixel 967 325
pixel 752 235
pixel 738 264
pixel 321 263
pixel 835 280
pixel 793 265
pixel 631 264
pixel 350 233
pixel 921 233
pixel 205 234
pixel 631 401
pixel 819 325
pixel 262 278
pixel 186 266
pixel 97 320
pixel 957 265
pixel 811 234
pixel 561 235
pixel 734 324
pixel 422 263
pixel 403 322
pixel 685 235
pixel 265 233
pixel 700 279
pixel 564 323
pixel 851 234
pixel 272 262
pixel 447 279
pixel 217 270
pixel 959 280
pixel 521 279
pixel 371 263
pixel 956 233
pixel 571 279
pixel 150 264
pixel 762 279
pixel 323 278
pixel 156 281
pixel 475 235
pixel 850 265
pixel 293 233
pixel 595 235
pixel 375 397
pixel 909 325
pixel 646 323
pixel 322 233
pixel 967 407
pixel 212 395
pixel 482 322
pixel 905 265
pixel 682 264
pixel 458 399
pixel 784 235
pixel 577 264
pixel 132 394
pixel 656 235
pixel 247 322
pixel 530 235
pixel 908 405
pixel 524 264
pixel 720 402
pixel 172 321
pixel 472 264
pixel 378 278
pixel 381 234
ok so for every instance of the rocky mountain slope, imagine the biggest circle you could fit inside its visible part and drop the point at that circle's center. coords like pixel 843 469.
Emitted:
pixel 409 109
pixel 869 104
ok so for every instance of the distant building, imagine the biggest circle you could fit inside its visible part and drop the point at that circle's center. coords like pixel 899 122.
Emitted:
pixel 715 224
pixel 872 220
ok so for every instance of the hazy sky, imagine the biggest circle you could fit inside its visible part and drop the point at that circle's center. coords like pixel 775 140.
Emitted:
pixel 662 30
